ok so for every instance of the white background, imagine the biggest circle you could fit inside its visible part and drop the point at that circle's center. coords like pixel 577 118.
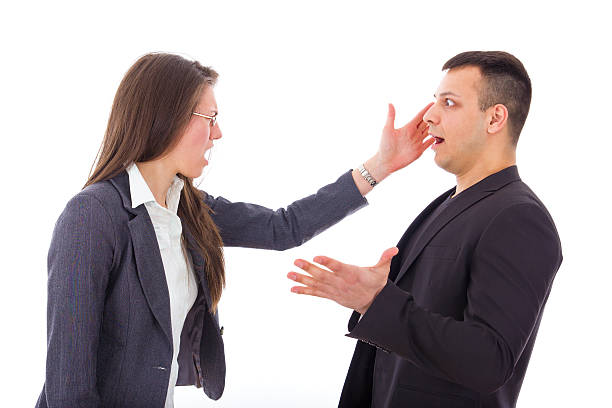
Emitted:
pixel 302 93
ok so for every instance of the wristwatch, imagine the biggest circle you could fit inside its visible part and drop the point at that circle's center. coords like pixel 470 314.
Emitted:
pixel 367 176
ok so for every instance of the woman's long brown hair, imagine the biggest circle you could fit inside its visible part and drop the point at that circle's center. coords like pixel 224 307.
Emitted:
pixel 152 108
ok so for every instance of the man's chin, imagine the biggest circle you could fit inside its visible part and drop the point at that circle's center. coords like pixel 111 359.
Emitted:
pixel 439 162
pixel 443 164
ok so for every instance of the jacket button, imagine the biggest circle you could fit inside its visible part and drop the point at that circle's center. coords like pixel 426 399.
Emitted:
pixel 221 331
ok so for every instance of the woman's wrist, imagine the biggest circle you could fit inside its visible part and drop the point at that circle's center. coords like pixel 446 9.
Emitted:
pixel 376 170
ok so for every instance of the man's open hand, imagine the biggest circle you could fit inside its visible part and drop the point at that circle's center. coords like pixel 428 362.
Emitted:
pixel 349 285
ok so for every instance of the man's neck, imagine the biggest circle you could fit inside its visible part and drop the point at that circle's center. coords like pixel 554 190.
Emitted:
pixel 480 172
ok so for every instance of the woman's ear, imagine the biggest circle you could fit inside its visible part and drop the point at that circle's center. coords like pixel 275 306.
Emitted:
pixel 498 118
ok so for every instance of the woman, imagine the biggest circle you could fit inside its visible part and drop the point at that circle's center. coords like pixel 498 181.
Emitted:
pixel 135 266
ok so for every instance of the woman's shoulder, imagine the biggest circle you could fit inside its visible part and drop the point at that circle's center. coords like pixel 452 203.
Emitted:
pixel 102 190
pixel 98 198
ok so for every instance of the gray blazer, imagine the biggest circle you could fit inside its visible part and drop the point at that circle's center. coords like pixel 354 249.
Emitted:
pixel 109 341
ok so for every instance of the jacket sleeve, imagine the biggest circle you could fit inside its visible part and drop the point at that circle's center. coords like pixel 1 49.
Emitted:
pixel 79 261
pixel 511 274
pixel 254 226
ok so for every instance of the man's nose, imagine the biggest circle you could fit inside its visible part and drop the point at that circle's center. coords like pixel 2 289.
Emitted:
pixel 431 116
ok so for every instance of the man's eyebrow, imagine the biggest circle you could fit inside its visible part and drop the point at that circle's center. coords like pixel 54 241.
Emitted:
pixel 445 94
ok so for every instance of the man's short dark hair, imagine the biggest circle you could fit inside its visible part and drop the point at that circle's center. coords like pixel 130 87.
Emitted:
pixel 505 81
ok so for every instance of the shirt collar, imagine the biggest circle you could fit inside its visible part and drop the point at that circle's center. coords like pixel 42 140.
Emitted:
pixel 141 193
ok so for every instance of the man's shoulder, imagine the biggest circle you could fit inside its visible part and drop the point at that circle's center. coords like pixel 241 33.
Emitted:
pixel 518 198
pixel 517 193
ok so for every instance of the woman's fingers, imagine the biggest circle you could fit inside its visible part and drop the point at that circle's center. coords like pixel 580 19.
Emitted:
pixel 390 117
pixel 422 126
pixel 422 131
pixel 419 116
pixel 428 142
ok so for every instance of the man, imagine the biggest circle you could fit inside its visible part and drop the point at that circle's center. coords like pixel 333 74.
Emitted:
pixel 450 316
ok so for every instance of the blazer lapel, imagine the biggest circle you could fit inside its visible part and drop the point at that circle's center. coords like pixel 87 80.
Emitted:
pixel 149 265
pixel 462 202
pixel 396 262
pixel 150 268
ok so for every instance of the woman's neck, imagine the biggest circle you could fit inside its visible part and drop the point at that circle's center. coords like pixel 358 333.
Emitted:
pixel 158 175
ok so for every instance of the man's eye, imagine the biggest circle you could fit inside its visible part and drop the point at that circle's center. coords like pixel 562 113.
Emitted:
pixel 448 102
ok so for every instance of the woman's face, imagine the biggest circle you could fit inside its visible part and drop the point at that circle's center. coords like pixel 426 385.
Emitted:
pixel 188 155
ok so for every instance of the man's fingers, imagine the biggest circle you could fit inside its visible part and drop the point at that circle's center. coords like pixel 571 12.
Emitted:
pixel 391 117
pixel 303 279
pixel 305 290
pixel 387 255
pixel 310 268
pixel 330 263
pixel 315 283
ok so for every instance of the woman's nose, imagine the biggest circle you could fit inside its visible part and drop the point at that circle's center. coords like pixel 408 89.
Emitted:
pixel 215 132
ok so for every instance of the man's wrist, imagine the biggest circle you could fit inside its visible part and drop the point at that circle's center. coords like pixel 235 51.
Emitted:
pixel 364 309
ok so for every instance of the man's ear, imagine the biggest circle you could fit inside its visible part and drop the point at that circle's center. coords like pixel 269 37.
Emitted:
pixel 498 118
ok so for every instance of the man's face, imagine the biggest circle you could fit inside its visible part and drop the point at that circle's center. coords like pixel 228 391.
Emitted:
pixel 457 122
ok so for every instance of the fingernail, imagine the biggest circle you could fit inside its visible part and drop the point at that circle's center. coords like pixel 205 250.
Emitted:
pixel 291 276
pixel 299 264
pixel 294 290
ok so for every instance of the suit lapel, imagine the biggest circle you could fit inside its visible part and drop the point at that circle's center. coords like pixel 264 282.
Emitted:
pixel 396 262
pixel 149 265
pixel 462 202
pixel 150 268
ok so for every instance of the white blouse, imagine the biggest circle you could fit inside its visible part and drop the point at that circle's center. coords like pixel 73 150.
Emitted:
pixel 180 277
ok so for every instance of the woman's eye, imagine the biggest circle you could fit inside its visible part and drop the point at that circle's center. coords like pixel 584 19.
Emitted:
pixel 448 102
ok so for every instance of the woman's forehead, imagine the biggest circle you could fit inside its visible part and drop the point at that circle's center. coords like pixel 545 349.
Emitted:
pixel 207 100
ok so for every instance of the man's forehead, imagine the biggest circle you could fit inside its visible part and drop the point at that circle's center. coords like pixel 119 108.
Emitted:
pixel 462 81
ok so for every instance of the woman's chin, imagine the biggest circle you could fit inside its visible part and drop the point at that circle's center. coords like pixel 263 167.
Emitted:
pixel 194 172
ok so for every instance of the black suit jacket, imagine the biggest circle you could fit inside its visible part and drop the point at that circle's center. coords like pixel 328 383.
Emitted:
pixel 456 323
